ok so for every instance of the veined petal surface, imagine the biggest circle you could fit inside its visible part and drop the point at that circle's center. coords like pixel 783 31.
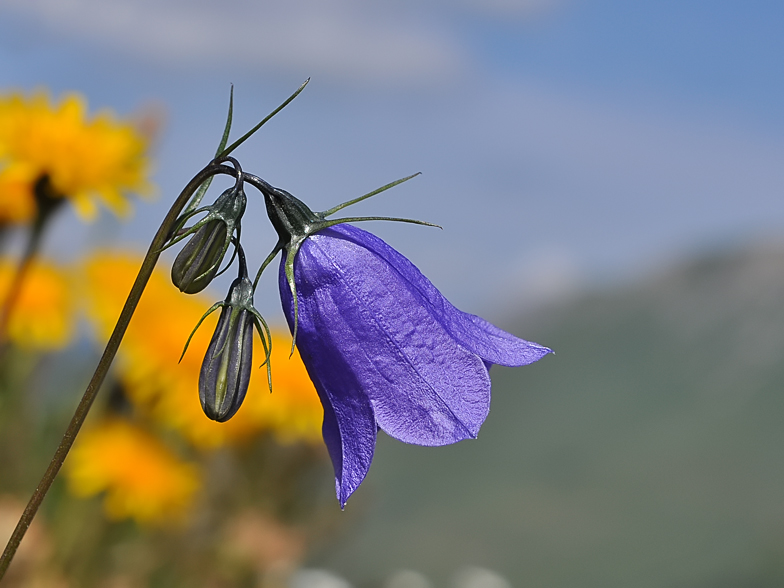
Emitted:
pixel 492 344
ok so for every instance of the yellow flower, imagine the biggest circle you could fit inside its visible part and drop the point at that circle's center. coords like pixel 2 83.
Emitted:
pixel 42 316
pixel 83 158
pixel 155 380
pixel 142 479
pixel 293 411
pixel 17 203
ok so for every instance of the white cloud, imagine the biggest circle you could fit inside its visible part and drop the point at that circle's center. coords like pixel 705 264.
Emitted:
pixel 342 38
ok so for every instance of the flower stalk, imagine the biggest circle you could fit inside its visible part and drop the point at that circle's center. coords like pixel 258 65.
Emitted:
pixel 107 357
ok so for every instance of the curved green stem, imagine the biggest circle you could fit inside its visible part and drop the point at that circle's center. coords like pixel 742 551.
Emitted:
pixel 109 352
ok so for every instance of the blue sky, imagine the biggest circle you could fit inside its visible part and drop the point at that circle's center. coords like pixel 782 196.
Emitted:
pixel 562 142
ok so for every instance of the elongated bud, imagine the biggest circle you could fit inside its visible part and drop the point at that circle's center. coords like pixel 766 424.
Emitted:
pixel 199 261
pixel 225 372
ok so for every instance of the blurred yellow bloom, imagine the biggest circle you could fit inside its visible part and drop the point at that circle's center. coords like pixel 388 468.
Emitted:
pixel 84 158
pixel 43 316
pixel 17 203
pixel 156 381
pixel 293 411
pixel 142 479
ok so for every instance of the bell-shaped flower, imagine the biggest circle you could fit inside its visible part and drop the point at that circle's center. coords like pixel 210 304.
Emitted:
pixel 225 371
pixel 198 262
pixel 384 348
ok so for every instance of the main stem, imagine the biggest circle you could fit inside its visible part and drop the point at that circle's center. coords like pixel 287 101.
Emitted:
pixel 109 352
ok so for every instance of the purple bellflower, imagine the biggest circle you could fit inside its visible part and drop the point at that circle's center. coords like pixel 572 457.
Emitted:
pixel 384 348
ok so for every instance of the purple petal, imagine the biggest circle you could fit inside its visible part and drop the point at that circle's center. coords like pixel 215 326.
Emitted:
pixel 349 427
pixel 476 334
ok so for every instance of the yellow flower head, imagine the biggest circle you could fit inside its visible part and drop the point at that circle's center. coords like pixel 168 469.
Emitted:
pixel 293 411
pixel 156 381
pixel 43 315
pixel 83 158
pixel 142 479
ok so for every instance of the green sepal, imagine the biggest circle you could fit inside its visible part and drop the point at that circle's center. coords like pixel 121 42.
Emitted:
pixel 212 309
pixel 199 195
pixel 383 188
pixel 258 322
pixel 291 255
pixel 246 136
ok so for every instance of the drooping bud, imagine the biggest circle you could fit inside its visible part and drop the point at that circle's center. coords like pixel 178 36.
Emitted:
pixel 198 262
pixel 225 372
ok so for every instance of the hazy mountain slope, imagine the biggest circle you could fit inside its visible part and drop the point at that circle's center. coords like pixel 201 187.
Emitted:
pixel 648 452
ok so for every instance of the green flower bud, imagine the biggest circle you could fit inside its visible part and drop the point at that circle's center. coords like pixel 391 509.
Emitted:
pixel 225 372
pixel 198 262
